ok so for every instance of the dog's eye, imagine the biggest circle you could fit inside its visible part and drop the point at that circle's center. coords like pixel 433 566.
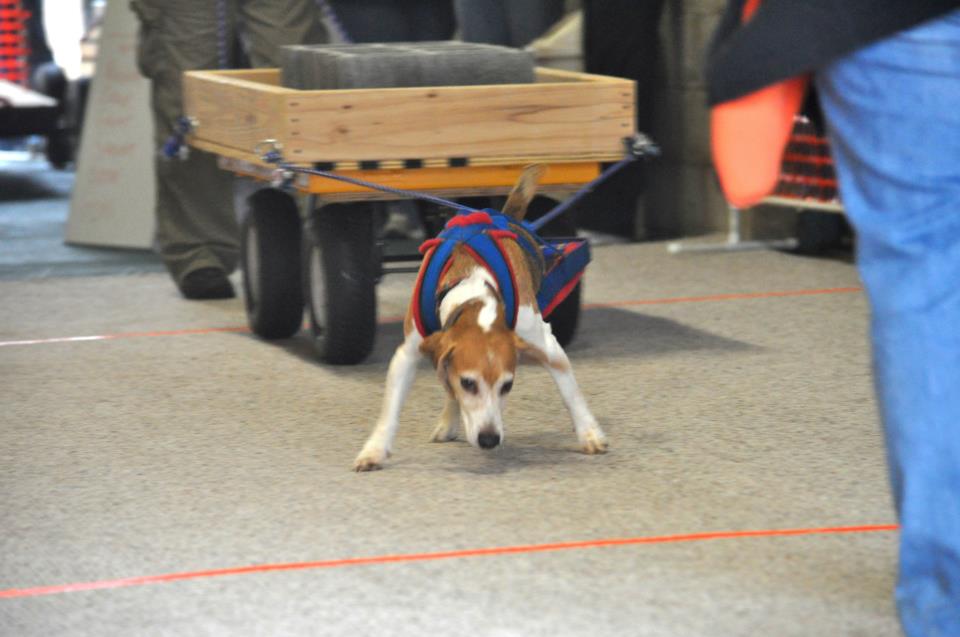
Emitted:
pixel 506 387
pixel 468 384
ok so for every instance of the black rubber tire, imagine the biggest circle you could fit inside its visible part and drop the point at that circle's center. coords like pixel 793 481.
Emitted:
pixel 340 279
pixel 270 261
pixel 565 317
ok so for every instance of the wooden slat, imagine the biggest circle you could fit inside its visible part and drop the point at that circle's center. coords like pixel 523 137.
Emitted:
pixel 532 119
pixel 546 75
pixel 233 111
pixel 573 114
pixel 267 80
pixel 270 77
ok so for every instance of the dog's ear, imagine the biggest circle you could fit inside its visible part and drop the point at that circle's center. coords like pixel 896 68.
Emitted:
pixel 438 346
pixel 528 352
pixel 431 346
pixel 523 191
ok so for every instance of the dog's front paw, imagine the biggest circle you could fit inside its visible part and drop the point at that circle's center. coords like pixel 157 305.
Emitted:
pixel 444 432
pixel 370 460
pixel 594 442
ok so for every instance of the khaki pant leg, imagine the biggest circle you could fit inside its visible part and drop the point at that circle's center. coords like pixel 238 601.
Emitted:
pixel 195 221
pixel 270 24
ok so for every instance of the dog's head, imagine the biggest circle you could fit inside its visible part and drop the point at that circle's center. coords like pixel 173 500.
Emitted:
pixel 476 362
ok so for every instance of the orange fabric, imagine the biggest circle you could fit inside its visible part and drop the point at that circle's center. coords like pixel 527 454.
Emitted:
pixel 749 135
pixel 749 7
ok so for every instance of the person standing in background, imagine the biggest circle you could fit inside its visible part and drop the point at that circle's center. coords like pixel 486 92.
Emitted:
pixel 196 227
pixel 622 38
pixel 395 21
pixel 514 23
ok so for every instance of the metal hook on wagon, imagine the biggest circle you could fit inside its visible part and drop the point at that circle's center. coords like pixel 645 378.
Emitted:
pixel 269 150
pixel 175 147
pixel 641 146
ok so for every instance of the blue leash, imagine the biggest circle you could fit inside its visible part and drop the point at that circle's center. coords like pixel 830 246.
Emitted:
pixel 334 21
pixel 637 146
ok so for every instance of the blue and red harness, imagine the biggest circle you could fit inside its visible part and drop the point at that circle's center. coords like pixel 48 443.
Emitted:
pixel 557 264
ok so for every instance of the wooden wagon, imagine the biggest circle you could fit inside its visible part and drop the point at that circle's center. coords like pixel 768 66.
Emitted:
pixel 450 141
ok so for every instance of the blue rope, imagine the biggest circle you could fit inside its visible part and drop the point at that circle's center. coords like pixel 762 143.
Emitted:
pixel 222 33
pixel 174 147
pixel 577 196
pixel 334 21
pixel 637 146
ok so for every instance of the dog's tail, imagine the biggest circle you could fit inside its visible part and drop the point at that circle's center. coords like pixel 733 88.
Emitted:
pixel 523 191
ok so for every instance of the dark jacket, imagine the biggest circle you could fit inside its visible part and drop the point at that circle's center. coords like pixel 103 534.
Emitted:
pixel 786 38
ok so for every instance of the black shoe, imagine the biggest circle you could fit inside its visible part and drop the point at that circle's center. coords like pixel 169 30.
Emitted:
pixel 206 283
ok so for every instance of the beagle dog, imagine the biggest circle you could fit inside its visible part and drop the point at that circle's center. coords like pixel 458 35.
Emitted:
pixel 481 332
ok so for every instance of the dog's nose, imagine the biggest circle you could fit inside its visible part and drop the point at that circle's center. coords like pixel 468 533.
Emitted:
pixel 488 439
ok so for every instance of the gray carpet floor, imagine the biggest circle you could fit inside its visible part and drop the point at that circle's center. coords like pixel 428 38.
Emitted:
pixel 162 452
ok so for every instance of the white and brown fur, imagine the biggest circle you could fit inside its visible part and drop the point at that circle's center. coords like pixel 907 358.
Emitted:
pixel 476 353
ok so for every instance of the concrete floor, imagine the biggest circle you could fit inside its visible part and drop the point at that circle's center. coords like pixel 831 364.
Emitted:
pixel 735 390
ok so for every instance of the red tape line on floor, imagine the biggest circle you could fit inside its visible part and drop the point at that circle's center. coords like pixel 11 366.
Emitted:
pixel 588 306
pixel 426 557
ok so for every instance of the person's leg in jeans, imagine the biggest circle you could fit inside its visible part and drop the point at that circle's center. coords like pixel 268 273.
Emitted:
pixel 894 120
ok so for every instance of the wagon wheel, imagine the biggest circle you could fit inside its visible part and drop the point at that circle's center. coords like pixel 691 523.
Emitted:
pixel 270 262
pixel 340 273
pixel 566 316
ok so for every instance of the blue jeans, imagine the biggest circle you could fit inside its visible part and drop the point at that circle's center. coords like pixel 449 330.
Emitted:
pixel 893 112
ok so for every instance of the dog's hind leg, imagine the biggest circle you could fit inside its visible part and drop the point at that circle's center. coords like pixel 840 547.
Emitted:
pixel 403 369
pixel 540 344
pixel 449 423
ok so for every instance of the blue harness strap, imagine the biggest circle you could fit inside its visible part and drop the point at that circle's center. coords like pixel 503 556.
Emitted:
pixel 564 270
pixel 429 318
pixel 481 233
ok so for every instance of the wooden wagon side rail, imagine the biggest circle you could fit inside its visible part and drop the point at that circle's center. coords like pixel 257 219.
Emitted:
pixel 563 116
